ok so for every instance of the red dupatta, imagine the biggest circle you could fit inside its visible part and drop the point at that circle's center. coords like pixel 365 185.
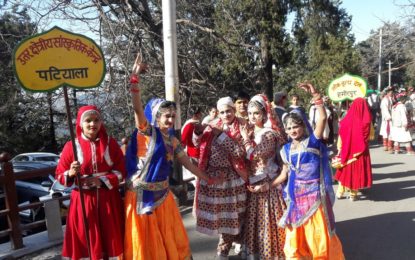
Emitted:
pixel 354 130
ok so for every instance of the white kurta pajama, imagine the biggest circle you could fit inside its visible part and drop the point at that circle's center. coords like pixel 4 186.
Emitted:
pixel 385 109
pixel 399 132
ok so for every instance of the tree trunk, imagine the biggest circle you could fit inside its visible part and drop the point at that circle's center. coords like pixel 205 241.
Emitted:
pixel 266 58
pixel 53 146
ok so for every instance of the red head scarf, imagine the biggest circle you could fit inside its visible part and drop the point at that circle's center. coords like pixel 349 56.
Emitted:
pixel 354 130
pixel 102 136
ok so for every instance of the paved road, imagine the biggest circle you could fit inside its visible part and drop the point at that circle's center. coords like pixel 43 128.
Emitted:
pixel 379 226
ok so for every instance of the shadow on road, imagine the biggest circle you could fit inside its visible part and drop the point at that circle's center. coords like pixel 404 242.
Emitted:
pixel 383 165
pixel 391 191
pixel 381 237
pixel 392 175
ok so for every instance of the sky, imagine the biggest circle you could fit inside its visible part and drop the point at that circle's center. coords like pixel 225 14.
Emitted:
pixel 366 15
pixel 369 15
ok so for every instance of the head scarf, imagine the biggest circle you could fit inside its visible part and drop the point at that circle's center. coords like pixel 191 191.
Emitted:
pixel 233 131
pixel 151 110
pixel 271 119
pixel 225 101
pixel 354 130
pixel 102 136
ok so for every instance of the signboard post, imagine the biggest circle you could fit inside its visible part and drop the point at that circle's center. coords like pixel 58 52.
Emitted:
pixel 58 58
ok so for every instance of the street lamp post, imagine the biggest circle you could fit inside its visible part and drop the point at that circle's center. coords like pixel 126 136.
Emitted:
pixel 380 60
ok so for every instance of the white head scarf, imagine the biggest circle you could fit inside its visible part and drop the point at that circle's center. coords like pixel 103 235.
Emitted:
pixel 225 101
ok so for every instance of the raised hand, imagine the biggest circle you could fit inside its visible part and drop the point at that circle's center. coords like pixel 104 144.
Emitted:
pixel 139 67
pixel 308 87
pixel 245 132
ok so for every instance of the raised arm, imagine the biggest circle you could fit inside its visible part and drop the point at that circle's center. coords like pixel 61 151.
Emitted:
pixel 318 102
pixel 138 68
pixel 185 161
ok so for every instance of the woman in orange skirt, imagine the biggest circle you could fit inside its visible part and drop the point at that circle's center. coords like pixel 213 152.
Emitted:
pixel 309 195
pixel 154 228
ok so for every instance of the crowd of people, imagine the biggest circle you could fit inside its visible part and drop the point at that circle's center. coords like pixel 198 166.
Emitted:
pixel 397 116
pixel 263 174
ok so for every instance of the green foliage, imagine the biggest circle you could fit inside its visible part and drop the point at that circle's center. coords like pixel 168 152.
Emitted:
pixel 22 121
pixel 255 44
pixel 322 45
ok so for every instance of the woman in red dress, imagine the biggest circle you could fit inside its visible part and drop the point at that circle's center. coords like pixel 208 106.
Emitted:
pixel 354 133
pixel 102 168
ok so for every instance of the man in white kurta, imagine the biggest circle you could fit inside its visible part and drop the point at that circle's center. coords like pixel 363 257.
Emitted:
pixel 399 130
pixel 385 110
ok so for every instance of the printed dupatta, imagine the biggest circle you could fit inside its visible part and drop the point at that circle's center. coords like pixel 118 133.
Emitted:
pixel 206 144
pixel 324 191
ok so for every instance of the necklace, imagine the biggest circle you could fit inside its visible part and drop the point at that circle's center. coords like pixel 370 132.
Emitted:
pixel 165 135
pixel 296 168
pixel 294 146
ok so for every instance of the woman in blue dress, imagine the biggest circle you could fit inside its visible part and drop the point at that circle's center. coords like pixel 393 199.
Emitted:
pixel 309 196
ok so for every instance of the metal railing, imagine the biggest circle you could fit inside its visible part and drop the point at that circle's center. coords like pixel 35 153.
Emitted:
pixel 15 227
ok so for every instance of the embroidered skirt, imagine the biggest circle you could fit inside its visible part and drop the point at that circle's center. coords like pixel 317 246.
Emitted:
pixel 221 208
pixel 263 238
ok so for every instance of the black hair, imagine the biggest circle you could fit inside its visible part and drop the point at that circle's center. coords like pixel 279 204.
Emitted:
pixel 168 103
pixel 193 110
pixel 295 95
pixel 241 95
pixel 296 117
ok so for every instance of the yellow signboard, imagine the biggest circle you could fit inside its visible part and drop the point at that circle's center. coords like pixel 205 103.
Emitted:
pixel 347 87
pixel 57 57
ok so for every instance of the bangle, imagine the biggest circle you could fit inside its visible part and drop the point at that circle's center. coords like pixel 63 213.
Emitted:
pixel 317 96
pixel 134 90
pixel 134 79
pixel 318 102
